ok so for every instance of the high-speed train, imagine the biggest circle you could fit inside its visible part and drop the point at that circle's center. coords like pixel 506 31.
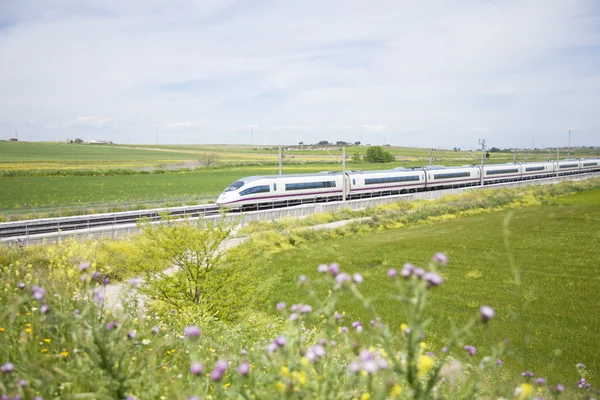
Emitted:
pixel 257 192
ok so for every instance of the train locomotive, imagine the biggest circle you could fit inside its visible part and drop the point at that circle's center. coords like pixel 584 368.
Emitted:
pixel 258 192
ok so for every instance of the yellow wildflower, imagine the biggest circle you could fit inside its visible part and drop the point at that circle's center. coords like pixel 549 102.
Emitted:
pixel 284 370
pixel 403 327
pixel 302 378
pixel 424 365
pixel 423 345
pixel 524 391
pixel 64 353
pixel 280 386
pixel 27 325
pixel 44 350
pixel 164 367
pixel 365 396
pixel 228 384
pixel 2 329
pixel 28 313
pixel 28 330
pixel 47 340
pixel 396 391
pixel 304 361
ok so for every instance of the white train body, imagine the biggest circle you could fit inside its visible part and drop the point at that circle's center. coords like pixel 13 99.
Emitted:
pixel 284 190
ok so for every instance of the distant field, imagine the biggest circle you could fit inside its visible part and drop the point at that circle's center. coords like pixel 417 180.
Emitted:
pixel 556 309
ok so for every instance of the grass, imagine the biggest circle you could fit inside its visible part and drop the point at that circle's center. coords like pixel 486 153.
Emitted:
pixel 551 318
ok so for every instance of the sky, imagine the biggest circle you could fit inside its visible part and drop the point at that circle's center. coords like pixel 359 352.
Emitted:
pixel 427 73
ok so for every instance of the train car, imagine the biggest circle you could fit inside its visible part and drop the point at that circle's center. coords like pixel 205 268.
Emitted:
pixel 365 184
pixel 282 190
pixel 569 166
pixel 498 173
pixel 537 170
pixel 589 165
pixel 438 177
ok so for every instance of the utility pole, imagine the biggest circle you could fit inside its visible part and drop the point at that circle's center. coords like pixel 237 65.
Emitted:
pixel 344 173
pixel 280 161
pixel 157 137
pixel 514 156
pixel 430 156
pixel 252 137
pixel 569 154
pixel 557 158
pixel 482 143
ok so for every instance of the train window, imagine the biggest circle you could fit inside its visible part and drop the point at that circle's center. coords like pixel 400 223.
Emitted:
pixel 451 175
pixel 255 189
pixel 354 180
pixel 569 166
pixel 234 186
pixel 590 164
pixel 274 187
pixel 535 168
pixel 309 185
pixel 502 171
pixel 391 179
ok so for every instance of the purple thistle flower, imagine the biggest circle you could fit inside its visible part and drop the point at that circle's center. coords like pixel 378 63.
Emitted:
pixel 196 368
pixel 95 275
pixel 293 316
pixel 499 362
pixel 280 306
pixel 306 309
pixel 314 353
pixel 22 382
pixel 217 373
pixel 580 365
pixel 344 329
pixel 440 258
pixel 444 349
pixel 433 279
pixel 323 342
pixel 131 397
pixel 295 307
pixel 382 363
pixel 354 367
pixel 418 272
pixel 21 285
pixel 471 350
pixel 38 293
pixel 155 329
pixel 244 368
pixel 370 367
pixel 194 398
pixel 192 331
pixel 560 388
pixel 487 313
pixel 357 278
pixel 44 308
pixel 392 273
pixel 111 325
pixel 366 355
pixel 323 268
pixel 407 270
pixel 342 278
pixel 131 335
pixel 99 295
pixel 280 341
pixel 271 347
pixel 105 281
pixel 84 266
pixel 38 398
pixel 540 381
pixel 337 316
pixel 334 269
pixel 528 374
pixel 7 368
pixel 135 282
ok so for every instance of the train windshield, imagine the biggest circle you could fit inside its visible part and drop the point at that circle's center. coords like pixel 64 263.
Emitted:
pixel 234 186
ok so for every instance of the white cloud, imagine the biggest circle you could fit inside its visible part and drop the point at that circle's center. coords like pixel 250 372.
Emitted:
pixel 304 71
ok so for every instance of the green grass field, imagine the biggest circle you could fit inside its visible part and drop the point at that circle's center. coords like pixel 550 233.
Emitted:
pixel 551 319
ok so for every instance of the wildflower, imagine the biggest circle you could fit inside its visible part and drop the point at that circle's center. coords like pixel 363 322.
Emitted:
pixel 306 309
pixel 370 367
pixel 580 365
pixel 559 388
pixel 433 279
pixel 191 331
pixel 540 381
pixel 155 329
pixel 64 354
pixel 527 374
pixel 344 329
pixel 392 273
pixel 111 325
pixel 21 285
pixel 145 342
pixel 396 391
pixel 365 396
pixel 271 347
pixel 444 349
pixel 424 365
pixel 418 272
pixel 407 270
pixel 524 391
pixel 440 258
pixel 280 306
pixel 302 279
pixel 7 368
pixel 196 368
pixel 135 282
pixel 470 349
pixel 498 362
pixel 22 382
pixel 295 307
pixel 354 367
pixel 487 313
pixel 193 398
pixel 44 308
pixel 382 363
pixel 334 269
pixel 95 275
pixel 244 368
pixel 314 353
pixel 28 330
pixel 131 335
pixel 337 316
pixel 293 316
pixel 357 278
pixel 219 370
pixel 99 295
pixel 280 341
pixel 323 268
pixel 358 326
pixel 405 329
pixel 84 266
pixel 342 278
pixel 38 293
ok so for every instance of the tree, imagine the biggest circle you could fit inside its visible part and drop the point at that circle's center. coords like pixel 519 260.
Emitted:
pixel 356 156
pixel 494 150
pixel 323 143
pixel 357 143
pixel 376 154
pixel 301 143
pixel 208 159
pixel 78 141
pixel 341 143
pixel 194 251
